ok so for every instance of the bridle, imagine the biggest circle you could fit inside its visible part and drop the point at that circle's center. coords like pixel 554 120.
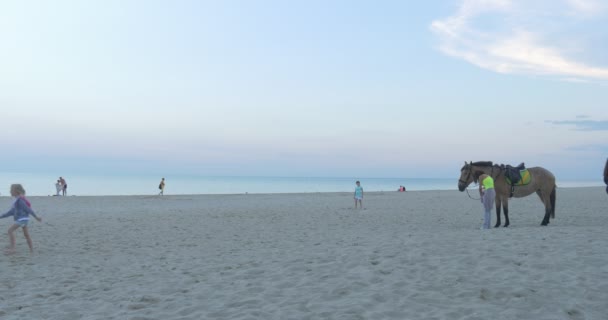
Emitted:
pixel 465 181
pixel 469 175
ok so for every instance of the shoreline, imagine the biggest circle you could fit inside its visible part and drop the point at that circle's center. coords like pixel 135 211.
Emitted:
pixel 133 185
pixel 471 189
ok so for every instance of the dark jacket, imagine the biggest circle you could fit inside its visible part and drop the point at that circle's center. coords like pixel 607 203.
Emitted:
pixel 20 210
pixel 606 173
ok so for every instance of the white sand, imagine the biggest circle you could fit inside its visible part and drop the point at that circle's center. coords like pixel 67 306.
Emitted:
pixel 418 255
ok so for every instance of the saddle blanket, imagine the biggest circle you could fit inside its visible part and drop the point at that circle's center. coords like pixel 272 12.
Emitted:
pixel 525 178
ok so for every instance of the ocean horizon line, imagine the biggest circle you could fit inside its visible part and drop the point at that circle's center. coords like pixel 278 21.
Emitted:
pixel 102 185
pixel 183 175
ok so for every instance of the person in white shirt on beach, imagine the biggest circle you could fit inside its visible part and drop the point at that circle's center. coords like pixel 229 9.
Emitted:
pixel 58 187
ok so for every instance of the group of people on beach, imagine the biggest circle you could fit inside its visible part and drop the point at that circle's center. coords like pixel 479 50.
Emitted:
pixel 61 186
pixel 488 194
pixel 486 191
pixel 21 208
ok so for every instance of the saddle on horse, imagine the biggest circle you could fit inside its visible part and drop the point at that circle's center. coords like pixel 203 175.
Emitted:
pixel 516 176
pixel 513 174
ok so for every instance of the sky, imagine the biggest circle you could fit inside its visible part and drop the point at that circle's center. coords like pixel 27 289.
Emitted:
pixel 303 88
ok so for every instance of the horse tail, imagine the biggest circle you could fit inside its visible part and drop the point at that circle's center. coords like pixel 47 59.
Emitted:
pixel 552 198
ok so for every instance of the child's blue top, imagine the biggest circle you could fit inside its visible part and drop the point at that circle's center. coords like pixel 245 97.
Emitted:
pixel 20 210
pixel 358 192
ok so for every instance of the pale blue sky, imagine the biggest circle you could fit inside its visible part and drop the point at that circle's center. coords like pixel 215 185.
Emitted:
pixel 303 88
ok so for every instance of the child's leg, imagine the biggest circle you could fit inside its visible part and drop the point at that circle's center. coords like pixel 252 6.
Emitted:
pixel 11 236
pixel 360 204
pixel 26 233
pixel 355 203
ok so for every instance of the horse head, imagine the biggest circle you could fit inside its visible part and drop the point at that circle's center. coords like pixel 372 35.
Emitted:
pixel 466 176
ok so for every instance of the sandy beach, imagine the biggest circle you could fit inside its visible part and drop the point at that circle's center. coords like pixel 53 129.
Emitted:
pixel 414 255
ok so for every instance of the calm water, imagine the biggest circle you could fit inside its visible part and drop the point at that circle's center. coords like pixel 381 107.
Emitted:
pixel 42 185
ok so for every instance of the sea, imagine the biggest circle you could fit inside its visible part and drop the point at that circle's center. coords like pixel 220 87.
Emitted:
pixel 101 185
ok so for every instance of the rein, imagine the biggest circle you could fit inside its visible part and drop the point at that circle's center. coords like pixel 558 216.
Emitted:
pixel 470 195
pixel 465 182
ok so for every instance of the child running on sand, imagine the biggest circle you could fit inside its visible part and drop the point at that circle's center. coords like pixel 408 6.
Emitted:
pixel 20 211
pixel 358 195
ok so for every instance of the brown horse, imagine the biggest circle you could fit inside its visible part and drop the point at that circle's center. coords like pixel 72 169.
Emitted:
pixel 541 181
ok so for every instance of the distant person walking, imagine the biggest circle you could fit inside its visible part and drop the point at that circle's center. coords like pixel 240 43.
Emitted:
pixel 20 211
pixel 161 186
pixel 358 195
pixel 488 194
pixel 64 186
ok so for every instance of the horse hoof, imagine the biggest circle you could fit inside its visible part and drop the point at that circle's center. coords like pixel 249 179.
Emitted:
pixel 506 226
pixel 544 224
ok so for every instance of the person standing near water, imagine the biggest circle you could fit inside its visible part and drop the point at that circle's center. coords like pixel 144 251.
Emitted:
pixel 488 194
pixel 64 186
pixel 161 186
pixel 359 195
pixel 58 187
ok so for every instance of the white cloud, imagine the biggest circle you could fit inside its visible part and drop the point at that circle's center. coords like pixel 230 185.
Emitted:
pixel 591 7
pixel 512 40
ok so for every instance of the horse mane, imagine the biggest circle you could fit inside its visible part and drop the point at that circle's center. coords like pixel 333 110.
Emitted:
pixel 478 164
pixel 482 163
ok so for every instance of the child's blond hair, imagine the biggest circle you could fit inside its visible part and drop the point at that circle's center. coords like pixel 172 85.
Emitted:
pixel 18 188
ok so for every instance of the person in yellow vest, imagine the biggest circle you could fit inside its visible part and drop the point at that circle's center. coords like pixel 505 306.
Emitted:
pixel 488 194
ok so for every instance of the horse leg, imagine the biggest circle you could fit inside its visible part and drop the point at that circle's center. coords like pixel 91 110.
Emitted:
pixel 547 204
pixel 498 202
pixel 505 207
